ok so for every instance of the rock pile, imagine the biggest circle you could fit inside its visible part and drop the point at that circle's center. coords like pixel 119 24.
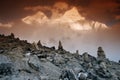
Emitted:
pixel 20 60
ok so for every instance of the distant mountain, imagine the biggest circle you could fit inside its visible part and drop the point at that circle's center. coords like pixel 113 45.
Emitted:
pixel 70 18
pixel 39 18
pixel 77 22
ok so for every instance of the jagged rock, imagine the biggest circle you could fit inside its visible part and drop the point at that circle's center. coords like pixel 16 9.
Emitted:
pixel 34 63
pixel 82 75
pixel 53 48
pixel 40 56
pixel 89 65
pixel 67 75
pixel 102 70
pixel 103 65
pixel 39 44
pixel 100 53
pixel 58 60
pixel 86 57
pixel 35 46
pixel 21 60
pixel 5 69
pixel 92 77
pixel 1 51
pixel 76 55
pixel 60 47
pixel 103 73
pixel 118 75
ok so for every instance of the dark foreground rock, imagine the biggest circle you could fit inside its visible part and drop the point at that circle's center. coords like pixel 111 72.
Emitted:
pixel 20 60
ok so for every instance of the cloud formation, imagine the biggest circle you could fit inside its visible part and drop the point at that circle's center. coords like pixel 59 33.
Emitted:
pixel 104 11
pixel 91 9
pixel 71 18
pixel 6 25
pixel 101 10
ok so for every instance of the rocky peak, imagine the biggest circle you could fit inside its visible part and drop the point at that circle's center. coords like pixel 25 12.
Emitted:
pixel 35 46
pixel 39 44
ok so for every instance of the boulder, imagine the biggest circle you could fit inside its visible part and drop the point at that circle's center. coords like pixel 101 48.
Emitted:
pixel 82 75
pixel 34 63
pixel 103 65
pixel 86 57
pixel 67 75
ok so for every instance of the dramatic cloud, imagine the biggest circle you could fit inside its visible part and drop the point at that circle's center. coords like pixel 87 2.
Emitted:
pixel 53 11
pixel 71 18
pixel 7 25
pixel 104 11
pixel 118 17
pixel 91 9
pixel 39 17
pixel 101 10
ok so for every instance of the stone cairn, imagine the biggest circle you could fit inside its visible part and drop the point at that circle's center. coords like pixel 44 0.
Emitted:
pixel 60 47
pixel 100 53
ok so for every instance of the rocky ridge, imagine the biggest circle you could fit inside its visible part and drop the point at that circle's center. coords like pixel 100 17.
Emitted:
pixel 20 60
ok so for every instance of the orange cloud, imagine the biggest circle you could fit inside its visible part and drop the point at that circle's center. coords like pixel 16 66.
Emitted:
pixel 101 10
pixel 118 17
pixel 71 18
pixel 6 25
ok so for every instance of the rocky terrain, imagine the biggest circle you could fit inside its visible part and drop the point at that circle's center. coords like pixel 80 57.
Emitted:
pixel 20 60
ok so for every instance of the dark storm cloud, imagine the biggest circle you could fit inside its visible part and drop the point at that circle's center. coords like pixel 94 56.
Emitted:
pixel 102 10
pixel 14 9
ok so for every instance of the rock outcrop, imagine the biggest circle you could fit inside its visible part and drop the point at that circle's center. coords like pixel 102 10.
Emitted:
pixel 39 44
pixel 20 60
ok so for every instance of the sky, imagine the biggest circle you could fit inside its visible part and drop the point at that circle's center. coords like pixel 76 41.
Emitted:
pixel 79 24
